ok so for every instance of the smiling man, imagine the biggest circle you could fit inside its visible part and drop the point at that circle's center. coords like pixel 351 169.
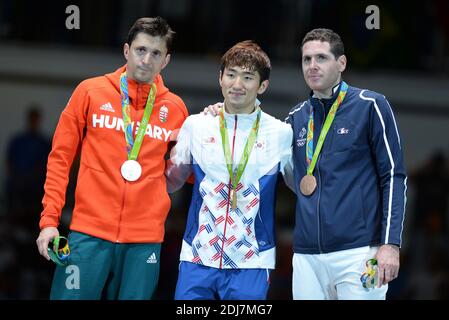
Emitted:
pixel 122 124
pixel 229 247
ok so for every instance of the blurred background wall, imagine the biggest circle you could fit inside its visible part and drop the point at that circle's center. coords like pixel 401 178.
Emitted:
pixel 407 60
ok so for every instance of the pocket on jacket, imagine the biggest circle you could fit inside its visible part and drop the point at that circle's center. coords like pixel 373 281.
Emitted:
pixel 193 224
pixel 88 166
pixel 264 238
pixel 347 224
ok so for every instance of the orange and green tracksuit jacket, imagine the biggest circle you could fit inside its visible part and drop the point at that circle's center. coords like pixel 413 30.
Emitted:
pixel 106 205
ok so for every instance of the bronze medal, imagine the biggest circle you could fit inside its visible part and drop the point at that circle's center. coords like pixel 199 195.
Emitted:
pixel 307 185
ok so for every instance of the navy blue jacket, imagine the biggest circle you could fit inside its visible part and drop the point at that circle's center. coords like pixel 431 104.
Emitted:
pixel 361 180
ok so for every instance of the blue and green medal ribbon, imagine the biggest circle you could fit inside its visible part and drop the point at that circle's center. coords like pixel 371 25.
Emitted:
pixel 312 155
pixel 369 277
pixel 59 251
pixel 133 145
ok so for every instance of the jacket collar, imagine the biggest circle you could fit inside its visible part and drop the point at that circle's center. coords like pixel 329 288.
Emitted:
pixel 251 115
pixel 327 103
pixel 137 90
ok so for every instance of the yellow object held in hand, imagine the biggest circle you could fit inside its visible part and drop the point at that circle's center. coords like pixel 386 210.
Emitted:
pixel 369 277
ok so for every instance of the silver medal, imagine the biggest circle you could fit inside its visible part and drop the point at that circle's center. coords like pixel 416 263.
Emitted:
pixel 131 170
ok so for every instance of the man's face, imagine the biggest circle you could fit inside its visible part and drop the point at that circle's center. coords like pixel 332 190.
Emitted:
pixel 320 68
pixel 240 88
pixel 146 57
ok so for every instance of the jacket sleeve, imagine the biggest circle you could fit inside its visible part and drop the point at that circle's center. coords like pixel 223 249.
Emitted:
pixel 66 143
pixel 179 167
pixel 387 150
pixel 287 159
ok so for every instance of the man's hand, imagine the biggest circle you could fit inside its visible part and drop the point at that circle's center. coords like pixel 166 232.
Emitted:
pixel 387 263
pixel 174 135
pixel 46 235
pixel 213 109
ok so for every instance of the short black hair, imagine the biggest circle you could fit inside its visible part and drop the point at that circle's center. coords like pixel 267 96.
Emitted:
pixel 326 35
pixel 250 55
pixel 155 27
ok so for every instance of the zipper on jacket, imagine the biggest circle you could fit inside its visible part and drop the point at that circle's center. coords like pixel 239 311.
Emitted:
pixel 318 206
pixel 320 186
pixel 136 103
pixel 126 183
pixel 229 196
pixel 121 212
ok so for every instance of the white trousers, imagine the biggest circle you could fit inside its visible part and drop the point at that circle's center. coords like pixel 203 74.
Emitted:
pixel 335 275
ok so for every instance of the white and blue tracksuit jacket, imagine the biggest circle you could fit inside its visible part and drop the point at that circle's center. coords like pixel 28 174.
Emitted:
pixel 215 235
pixel 360 197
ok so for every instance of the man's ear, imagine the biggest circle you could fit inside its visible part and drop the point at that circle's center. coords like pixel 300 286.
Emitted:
pixel 126 51
pixel 219 78
pixel 167 60
pixel 342 63
pixel 263 86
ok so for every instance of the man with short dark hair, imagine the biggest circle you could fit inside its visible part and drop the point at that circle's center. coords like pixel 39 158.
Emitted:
pixel 350 181
pixel 229 246
pixel 122 123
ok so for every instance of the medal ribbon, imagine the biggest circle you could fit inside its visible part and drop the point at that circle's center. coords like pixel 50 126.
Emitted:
pixel 369 277
pixel 59 255
pixel 311 160
pixel 235 177
pixel 133 145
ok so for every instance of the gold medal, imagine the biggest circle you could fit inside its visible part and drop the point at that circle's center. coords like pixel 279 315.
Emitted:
pixel 234 199
pixel 307 185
